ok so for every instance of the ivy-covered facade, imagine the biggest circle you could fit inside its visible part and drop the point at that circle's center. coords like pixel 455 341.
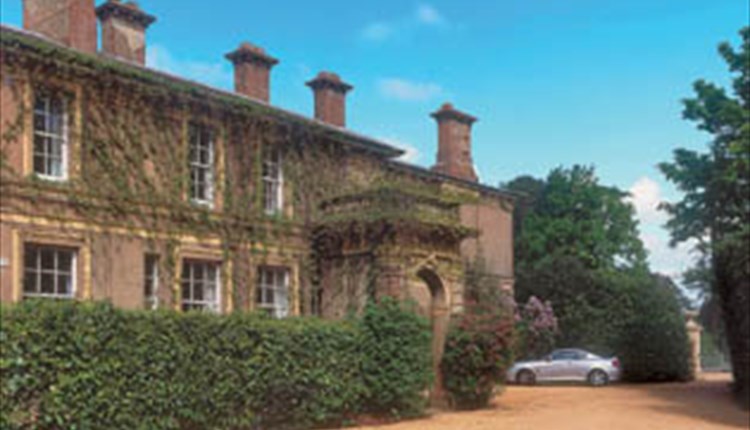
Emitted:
pixel 126 184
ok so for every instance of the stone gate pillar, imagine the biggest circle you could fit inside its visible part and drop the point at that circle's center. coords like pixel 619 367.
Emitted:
pixel 694 334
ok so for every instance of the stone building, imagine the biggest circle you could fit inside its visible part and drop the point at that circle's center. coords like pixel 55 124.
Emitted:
pixel 126 184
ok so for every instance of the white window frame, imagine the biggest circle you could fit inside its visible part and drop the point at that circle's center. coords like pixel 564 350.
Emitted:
pixel 273 203
pixel 196 143
pixel 151 281
pixel 189 300
pixel 272 290
pixel 55 271
pixel 62 137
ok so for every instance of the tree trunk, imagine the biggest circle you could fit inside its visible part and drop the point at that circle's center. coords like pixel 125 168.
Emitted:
pixel 733 289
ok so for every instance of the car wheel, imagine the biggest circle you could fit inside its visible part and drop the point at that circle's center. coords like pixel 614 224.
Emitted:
pixel 526 377
pixel 598 378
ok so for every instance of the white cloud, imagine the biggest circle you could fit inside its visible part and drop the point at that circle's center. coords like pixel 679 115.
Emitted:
pixel 645 195
pixel 670 261
pixel 424 15
pixel 478 172
pixel 405 90
pixel 216 74
pixel 377 31
pixel 427 14
pixel 411 153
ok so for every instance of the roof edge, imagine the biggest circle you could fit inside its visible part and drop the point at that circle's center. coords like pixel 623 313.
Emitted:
pixel 12 34
pixel 482 188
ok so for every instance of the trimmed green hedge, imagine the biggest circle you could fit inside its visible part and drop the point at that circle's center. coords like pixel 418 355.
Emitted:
pixel 653 345
pixel 397 365
pixel 90 366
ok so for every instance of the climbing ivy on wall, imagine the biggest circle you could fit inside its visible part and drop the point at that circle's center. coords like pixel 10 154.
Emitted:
pixel 129 158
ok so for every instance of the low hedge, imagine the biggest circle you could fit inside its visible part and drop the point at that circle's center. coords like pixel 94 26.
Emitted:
pixel 90 366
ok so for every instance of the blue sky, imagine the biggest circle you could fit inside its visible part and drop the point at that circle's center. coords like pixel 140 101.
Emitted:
pixel 553 82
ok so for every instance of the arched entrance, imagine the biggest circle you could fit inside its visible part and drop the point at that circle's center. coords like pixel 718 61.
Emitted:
pixel 437 309
pixel 413 246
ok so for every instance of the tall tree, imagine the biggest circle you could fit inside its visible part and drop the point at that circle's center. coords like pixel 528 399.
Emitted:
pixel 715 209
pixel 571 214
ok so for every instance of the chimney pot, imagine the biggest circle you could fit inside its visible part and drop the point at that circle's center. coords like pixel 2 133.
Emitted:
pixel 252 71
pixel 70 22
pixel 124 30
pixel 454 143
pixel 330 98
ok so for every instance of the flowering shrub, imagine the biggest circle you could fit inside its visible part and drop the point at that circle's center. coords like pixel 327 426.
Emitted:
pixel 478 351
pixel 536 327
pixel 479 346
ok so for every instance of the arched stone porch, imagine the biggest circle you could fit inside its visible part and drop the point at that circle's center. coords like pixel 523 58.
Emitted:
pixel 412 252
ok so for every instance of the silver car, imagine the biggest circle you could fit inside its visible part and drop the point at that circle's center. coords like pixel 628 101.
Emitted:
pixel 566 365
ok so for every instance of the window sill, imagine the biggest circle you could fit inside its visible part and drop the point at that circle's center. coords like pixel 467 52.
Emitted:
pixel 56 179
pixel 208 204
pixel 277 213
pixel 47 296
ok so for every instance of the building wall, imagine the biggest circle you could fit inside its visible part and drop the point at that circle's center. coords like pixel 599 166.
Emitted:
pixel 110 264
pixel 11 99
pixel 111 248
pixel 117 270
pixel 8 242
pixel 494 222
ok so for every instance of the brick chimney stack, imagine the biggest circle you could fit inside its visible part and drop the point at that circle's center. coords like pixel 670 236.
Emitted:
pixel 70 22
pixel 454 143
pixel 124 30
pixel 330 98
pixel 252 71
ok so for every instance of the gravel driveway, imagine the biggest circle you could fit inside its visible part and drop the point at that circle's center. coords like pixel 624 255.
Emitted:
pixel 704 404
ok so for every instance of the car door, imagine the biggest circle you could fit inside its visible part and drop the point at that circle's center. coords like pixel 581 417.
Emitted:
pixel 545 369
pixel 560 367
pixel 579 366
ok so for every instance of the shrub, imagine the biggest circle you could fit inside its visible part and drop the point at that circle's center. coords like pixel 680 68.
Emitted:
pixel 477 353
pixel 90 366
pixel 536 327
pixel 397 365
pixel 479 345
pixel 653 345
